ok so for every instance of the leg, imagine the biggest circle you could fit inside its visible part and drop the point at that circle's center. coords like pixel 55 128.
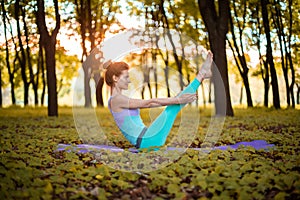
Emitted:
pixel 159 130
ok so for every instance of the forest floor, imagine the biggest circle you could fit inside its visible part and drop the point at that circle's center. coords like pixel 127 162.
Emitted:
pixel 31 167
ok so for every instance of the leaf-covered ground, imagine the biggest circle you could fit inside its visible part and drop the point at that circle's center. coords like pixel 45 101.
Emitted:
pixel 31 168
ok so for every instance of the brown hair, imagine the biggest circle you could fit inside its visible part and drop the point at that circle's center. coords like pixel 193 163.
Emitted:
pixel 114 68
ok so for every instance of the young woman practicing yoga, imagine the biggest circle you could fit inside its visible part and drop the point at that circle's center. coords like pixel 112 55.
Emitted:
pixel 126 111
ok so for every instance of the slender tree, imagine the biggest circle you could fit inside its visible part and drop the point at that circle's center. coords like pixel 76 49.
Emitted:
pixel 11 72
pixel 257 34
pixel 95 19
pixel 146 73
pixel 29 57
pixel 177 59
pixel 22 58
pixel 216 23
pixel 159 22
pixel 49 43
pixel 237 28
pixel 283 25
pixel 297 82
pixel 290 47
pixel 269 55
pixel 1 101
pixel 41 68
pixel 166 59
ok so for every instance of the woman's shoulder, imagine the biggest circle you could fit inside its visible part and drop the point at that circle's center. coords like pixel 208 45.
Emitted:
pixel 117 102
pixel 119 97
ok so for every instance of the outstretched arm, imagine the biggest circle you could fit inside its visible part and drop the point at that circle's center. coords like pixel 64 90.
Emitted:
pixel 122 101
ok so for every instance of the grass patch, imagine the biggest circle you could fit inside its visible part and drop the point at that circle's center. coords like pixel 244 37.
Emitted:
pixel 30 168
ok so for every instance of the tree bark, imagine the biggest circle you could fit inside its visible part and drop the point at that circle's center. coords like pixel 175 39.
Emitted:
pixel 264 69
pixel 270 61
pixel 1 102
pixel 49 43
pixel 217 25
pixel 277 18
pixel 29 62
pixel 93 20
pixel 266 83
pixel 289 53
pixel 87 88
pixel 175 55
pixel 22 59
pixel 11 77
pixel 41 64
pixel 241 94
pixel 166 61
pixel 240 57
pixel 298 94
pixel 82 19
pixel 146 74
pixel 154 63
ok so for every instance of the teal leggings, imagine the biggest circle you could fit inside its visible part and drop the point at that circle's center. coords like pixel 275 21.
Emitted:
pixel 157 133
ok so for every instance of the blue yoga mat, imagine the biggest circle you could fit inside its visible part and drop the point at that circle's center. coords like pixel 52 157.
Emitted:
pixel 85 148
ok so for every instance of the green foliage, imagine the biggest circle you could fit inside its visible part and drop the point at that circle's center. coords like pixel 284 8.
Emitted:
pixel 66 68
pixel 31 168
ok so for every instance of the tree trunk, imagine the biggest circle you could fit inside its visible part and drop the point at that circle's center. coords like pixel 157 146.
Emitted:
pixel 270 61
pixel 146 74
pixel 289 53
pixel 10 73
pixel 293 80
pixel 28 57
pixel 277 18
pixel 154 63
pixel 154 52
pixel 166 72
pixel 51 78
pixel 241 95
pixel 217 26
pixel 266 84
pixel 80 9
pixel 242 64
pixel 248 91
pixel 176 57
pixel 264 69
pixel 22 58
pixel 1 102
pixel 87 88
pixel 6 49
pixel 49 42
pixel 90 25
pixel 41 66
pixel 166 61
pixel 298 94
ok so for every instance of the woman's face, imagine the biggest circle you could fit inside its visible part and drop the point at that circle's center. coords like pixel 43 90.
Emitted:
pixel 123 80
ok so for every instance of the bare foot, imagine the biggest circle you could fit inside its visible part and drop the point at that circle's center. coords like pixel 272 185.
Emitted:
pixel 205 71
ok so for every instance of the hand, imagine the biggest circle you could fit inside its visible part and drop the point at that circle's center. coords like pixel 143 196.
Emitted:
pixel 187 98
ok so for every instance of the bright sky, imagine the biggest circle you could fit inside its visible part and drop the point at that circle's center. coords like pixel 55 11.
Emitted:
pixel 72 45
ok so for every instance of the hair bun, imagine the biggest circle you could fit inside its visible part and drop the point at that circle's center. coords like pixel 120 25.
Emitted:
pixel 107 64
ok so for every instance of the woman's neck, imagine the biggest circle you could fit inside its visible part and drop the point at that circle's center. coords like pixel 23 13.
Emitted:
pixel 115 91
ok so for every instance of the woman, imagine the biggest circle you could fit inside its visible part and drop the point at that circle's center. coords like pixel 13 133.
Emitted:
pixel 126 111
